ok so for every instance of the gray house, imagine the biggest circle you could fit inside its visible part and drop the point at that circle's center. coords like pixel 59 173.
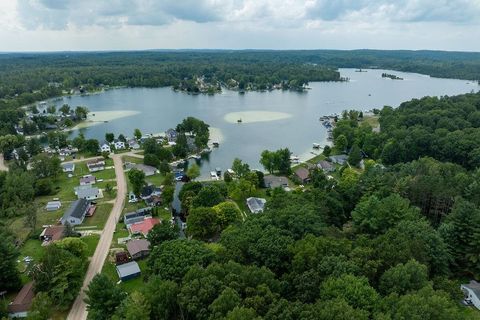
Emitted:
pixel 128 271
pixel 256 205
pixel 76 213
pixel 340 159
pixel 68 167
pixel 137 216
pixel 88 192
pixel 273 182
pixel 138 248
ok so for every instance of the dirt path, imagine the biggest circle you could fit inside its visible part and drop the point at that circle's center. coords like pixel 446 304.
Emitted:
pixel 3 167
pixel 79 308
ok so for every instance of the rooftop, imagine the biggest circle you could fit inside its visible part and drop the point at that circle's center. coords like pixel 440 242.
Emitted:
pixel 77 209
pixel 136 246
pixel 144 226
pixel 23 300
pixel 128 269
pixel 256 204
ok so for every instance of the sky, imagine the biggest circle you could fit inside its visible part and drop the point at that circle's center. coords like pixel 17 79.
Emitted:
pixel 72 25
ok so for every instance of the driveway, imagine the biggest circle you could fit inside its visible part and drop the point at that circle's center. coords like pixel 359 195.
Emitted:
pixel 79 308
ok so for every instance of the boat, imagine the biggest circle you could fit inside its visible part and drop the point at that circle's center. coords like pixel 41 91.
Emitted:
pixel 215 144
pixel 239 121
pixel 218 171
pixel 316 145
pixel 213 175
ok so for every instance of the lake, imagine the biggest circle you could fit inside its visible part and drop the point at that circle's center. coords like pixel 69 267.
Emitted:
pixel 271 120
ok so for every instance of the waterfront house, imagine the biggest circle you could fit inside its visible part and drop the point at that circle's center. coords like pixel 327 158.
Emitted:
pixel 472 293
pixel 20 306
pixel 149 191
pixel 303 175
pixel 133 144
pixel 105 147
pixel 273 182
pixel 68 167
pixel 340 159
pixel 138 248
pixel 326 166
pixel 119 145
pixel 147 170
pixel 256 205
pixel 76 212
pixel 128 270
pixel 171 135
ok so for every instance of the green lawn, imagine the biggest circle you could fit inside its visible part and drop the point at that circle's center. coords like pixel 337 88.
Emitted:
pixel 132 159
pixel 130 285
pixel 91 242
pixel 156 179
pixel 100 216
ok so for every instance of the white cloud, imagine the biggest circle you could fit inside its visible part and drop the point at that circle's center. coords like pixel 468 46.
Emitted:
pixel 141 24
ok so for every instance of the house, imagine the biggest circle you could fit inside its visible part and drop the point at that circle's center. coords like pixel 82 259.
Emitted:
pixel 53 205
pixel 472 293
pixel 105 147
pixel 87 180
pixel 52 233
pixel 138 249
pixel 171 135
pixel 340 159
pixel 256 205
pixel 326 166
pixel 148 170
pixel 88 192
pixel 149 191
pixel 154 201
pixel 119 145
pixel 144 226
pixel 96 165
pixel 302 174
pixel 20 306
pixel 64 152
pixel 68 167
pixel 128 270
pixel 133 144
pixel 76 213
pixel 137 216
pixel 273 182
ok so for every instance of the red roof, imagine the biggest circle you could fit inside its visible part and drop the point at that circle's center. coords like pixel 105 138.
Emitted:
pixel 145 226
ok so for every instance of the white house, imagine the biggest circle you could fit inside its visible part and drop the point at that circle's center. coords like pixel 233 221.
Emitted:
pixel 119 145
pixel 472 293
pixel 76 213
pixel 105 147
pixel 88 192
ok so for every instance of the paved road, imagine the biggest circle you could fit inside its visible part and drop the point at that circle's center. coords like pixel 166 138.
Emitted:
pixel 79 311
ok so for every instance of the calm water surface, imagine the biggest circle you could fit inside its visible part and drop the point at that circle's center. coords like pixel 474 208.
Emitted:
pixel 162 108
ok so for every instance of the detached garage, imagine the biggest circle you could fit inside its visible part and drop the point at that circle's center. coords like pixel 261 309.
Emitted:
pixel 128 271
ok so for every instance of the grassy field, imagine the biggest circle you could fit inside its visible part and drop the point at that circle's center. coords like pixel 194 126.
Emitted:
pixel 100 216
pixel 91 242
pixel 130 285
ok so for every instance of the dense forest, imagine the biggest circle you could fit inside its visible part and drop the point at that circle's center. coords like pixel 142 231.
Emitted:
pixel 29 77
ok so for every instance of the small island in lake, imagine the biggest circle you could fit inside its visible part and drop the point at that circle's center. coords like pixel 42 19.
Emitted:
pixel 391 76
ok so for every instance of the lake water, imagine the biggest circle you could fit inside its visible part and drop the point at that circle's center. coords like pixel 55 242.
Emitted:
pixel 296 127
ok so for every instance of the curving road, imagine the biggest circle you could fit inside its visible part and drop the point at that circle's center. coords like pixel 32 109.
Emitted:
pixel 79 308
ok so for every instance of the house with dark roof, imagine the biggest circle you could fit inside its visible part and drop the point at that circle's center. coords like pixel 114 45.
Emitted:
pixel 76 212
pixel 20 306
pixel 171 135
pixel 303 175
pixel 273 182
pixel 149 191
pixel 256 205
pixel 326 166
pixel 87 180
pixel 128 270
pixel 472 293
pixel 137 216
pixel 138 248
pixel 154 201
pixel 340 159
pixel 96 165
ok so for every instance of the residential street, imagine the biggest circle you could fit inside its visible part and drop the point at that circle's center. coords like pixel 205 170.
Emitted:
pixel 78 311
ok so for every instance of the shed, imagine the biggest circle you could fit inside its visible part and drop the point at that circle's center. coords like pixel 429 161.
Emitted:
pixel 53 205
pixel 128 271
pixel 139 248
pixel 20 306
